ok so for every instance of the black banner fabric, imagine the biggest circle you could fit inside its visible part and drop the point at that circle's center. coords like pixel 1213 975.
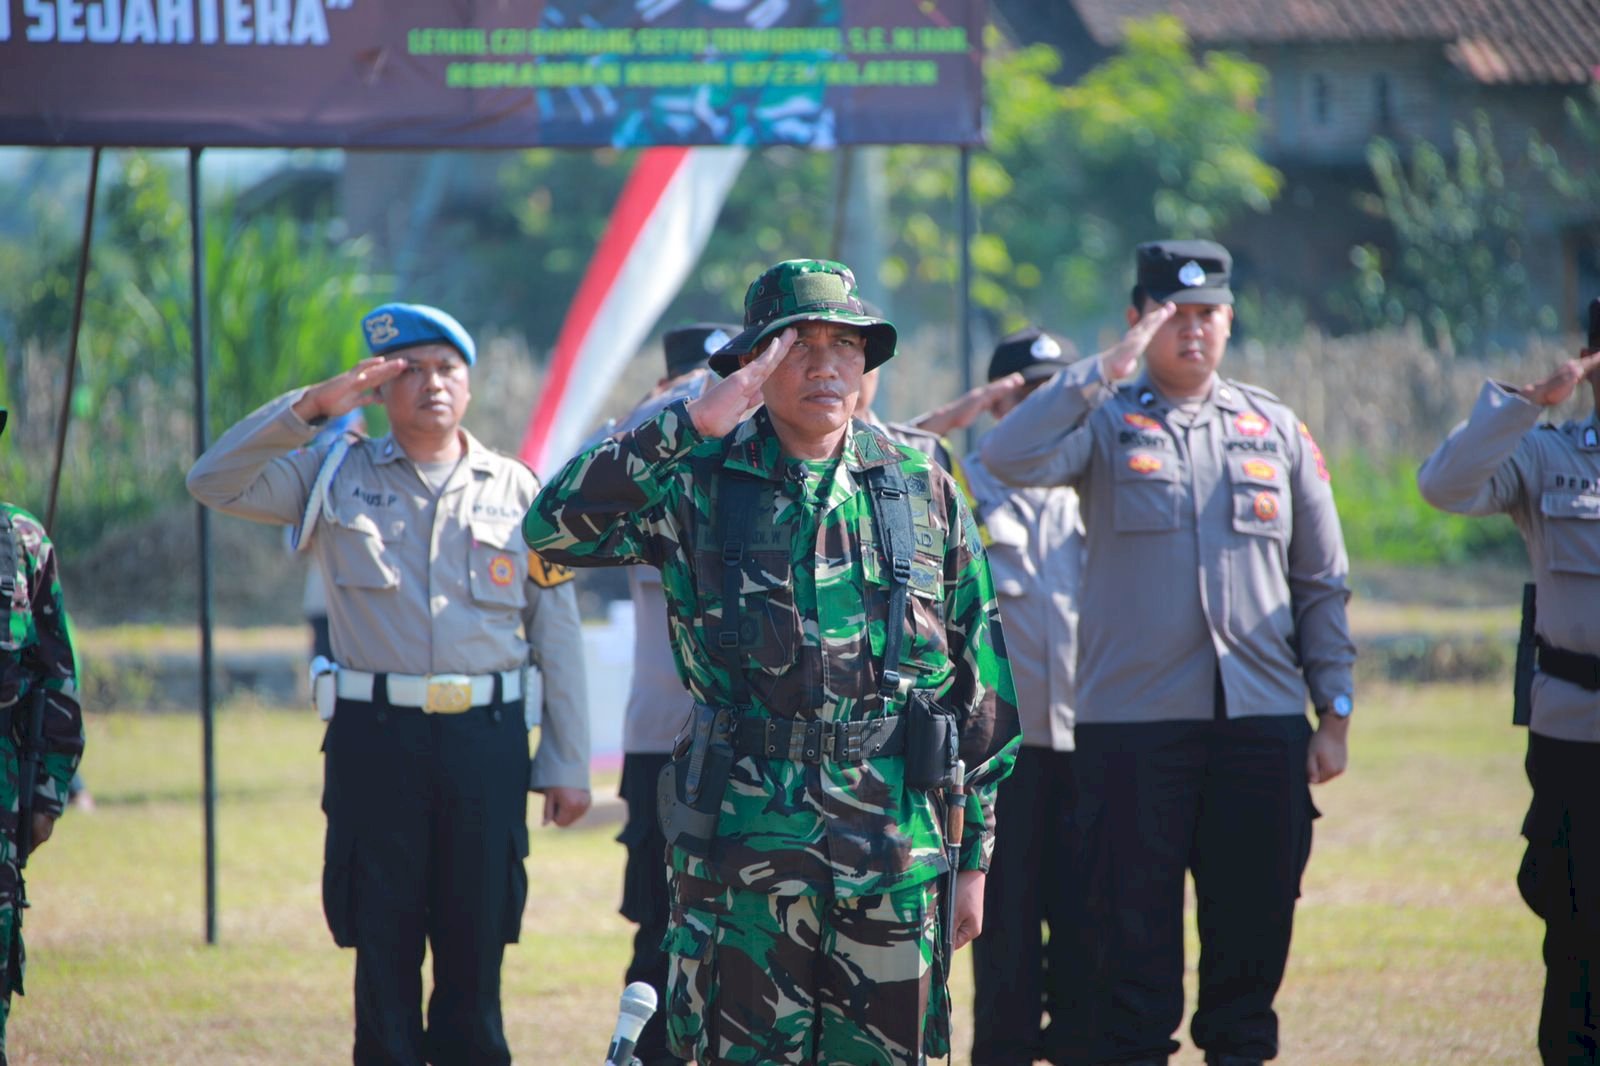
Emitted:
pixel 490 73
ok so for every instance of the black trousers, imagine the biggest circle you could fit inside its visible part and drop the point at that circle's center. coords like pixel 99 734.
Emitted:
pixel 427 833
pixel 1228 801
pixel 1560 881
pixel 1016 973
pixel 645 899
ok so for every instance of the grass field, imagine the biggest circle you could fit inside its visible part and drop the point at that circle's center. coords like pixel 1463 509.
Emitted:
pixel 1411 945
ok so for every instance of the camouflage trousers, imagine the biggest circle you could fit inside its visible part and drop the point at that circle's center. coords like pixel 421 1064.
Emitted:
pixel 12 955
pixel 804 979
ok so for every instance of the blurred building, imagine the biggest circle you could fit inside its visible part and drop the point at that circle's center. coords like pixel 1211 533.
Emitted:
pixel 1346 71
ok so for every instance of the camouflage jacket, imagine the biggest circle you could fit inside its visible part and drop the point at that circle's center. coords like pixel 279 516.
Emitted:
pixel 36 649
pixel 815 601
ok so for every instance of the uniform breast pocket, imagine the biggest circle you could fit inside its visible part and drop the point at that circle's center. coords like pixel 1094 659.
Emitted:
pixel 1259 499
pixel 1146 496
pixel 357 554
pixel 1572 532
pixel 769 631
pixel 498 565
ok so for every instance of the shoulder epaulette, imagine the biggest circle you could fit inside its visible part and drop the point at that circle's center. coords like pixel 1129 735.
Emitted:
pixel 1256 390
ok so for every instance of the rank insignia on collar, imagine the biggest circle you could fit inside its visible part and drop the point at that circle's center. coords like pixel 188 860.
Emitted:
pixel 1591 439
pixel 1141 421
pixel 1143 464
pixel 1251 424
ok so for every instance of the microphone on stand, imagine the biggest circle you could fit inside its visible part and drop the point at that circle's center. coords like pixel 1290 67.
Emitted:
pixel 638 1004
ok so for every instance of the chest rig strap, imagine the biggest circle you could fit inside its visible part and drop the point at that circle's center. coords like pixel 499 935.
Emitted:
pixel 737 500
pixel 891 511
pixel 8 566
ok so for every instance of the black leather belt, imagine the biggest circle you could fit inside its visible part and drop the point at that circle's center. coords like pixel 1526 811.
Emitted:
pixel 818 742
pixel 1572 666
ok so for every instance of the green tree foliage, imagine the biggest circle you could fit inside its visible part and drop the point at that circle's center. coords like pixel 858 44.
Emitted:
pixel 1459 225
pixel 284 301
pixel 1574 184
pixel 1153 142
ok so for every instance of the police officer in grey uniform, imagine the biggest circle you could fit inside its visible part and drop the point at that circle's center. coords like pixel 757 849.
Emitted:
pixel 1214 600
pixel 434 606
pixel 657 707
pixel 1548 480
pixel 1035 542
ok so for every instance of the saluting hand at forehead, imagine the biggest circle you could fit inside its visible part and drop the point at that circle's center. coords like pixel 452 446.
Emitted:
pixel 1122 359
pixel 1558 386
pixel 354 388
pixel 724 405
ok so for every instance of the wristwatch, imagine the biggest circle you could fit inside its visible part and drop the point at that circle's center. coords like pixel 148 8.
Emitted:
pixel 1341 706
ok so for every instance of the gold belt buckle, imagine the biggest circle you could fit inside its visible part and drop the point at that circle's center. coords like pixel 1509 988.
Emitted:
pixel 448 694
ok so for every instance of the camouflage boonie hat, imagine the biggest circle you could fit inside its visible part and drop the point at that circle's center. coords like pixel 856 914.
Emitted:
pixel 804 290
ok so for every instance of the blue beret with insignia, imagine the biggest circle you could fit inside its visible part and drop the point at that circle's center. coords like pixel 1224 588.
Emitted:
pixel 393 327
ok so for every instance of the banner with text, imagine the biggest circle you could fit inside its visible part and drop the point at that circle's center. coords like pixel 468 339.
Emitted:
pixel 490 73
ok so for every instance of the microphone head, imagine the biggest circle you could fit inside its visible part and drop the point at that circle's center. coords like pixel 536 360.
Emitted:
pixel 638 1000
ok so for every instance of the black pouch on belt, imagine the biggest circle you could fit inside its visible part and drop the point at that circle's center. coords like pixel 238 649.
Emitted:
pixel 689 790
pixel 930 743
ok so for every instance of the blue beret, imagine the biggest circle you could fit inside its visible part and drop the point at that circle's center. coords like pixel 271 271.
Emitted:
pixel 393 327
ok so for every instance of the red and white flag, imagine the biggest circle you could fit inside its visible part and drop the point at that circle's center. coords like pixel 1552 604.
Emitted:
pixel 657 230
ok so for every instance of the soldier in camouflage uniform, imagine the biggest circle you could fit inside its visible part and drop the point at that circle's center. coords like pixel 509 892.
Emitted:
pixel 36 652
pixel 807 934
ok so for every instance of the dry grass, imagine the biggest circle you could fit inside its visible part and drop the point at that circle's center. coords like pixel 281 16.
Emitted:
pixel 1412 946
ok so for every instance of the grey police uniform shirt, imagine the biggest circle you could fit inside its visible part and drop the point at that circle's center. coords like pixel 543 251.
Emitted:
pixel 417 584
pixel 658 705
pixel 1548 480
pixel 1210 547
pixel 1035 549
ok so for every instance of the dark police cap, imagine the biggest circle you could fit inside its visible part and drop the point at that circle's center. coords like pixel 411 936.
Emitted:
pixel 688 347
pixel 395 327
pixel 1185 272
pixel 804 290
pixel 1032 352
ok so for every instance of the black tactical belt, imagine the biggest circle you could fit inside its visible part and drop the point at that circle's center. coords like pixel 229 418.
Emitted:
pixel 818 742
pixel 1571 666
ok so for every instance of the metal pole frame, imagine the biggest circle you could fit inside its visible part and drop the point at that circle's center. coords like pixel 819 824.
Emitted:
pixel 202 419
pixel 72 345
pixel 964 344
